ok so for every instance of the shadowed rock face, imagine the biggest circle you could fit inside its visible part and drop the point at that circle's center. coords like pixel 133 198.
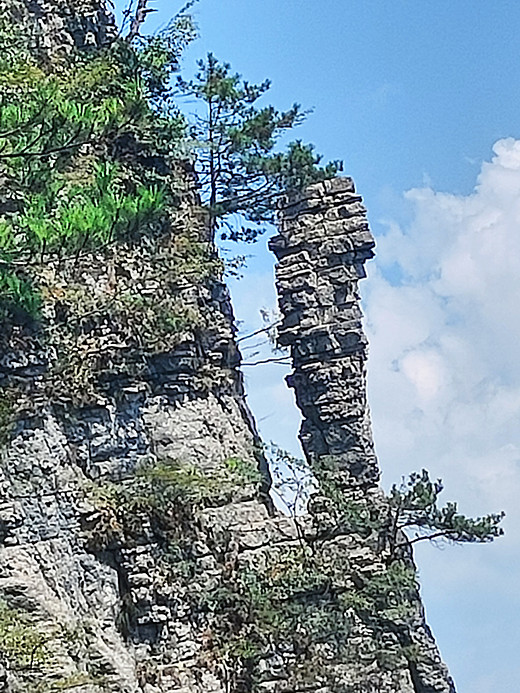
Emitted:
pixel 323 244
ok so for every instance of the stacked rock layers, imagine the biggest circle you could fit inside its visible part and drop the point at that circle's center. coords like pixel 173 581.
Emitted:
pixel 322 246
pixel 60 27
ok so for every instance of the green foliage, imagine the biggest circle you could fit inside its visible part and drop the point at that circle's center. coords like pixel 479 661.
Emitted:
pixel 315 488
pixel 305 600
pixel 244 470
pixel 91 148
pixel 18 295
pixel 347 512
pixel 83 215
pixel 65 133
pixel 288 601
pixel 135 312
pixel 200 487
pixel 164 496
pixel 240 169
pixel 411 506
pixel 414 507
pixel 384 596
pixel 21 643
pixel 159 54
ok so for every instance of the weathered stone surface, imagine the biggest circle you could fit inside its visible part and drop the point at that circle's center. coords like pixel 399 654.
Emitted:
pixel 132 618
pixel 132 626
pixel 323 244
pixel 59 27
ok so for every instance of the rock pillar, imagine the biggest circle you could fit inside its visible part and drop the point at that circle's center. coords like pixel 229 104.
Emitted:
pixel 322 246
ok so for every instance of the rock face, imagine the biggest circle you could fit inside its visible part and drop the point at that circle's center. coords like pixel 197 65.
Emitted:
pixel 322 246
pixel 139 548
pixel 62 26
pixel 107 612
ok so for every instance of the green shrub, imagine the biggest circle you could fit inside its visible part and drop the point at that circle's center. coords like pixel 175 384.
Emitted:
pixel 21 644
pixel 289 601
pixel 18 295
pixel 163 496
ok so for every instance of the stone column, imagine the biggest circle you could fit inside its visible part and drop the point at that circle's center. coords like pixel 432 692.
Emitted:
pixel 322 246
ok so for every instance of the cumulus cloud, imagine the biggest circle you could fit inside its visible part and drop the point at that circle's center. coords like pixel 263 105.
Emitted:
pixel 443 319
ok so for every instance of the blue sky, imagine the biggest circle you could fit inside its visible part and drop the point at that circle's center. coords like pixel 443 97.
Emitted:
pixel 421 100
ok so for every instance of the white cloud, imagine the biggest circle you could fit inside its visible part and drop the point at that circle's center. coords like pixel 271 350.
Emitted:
pixel 443 319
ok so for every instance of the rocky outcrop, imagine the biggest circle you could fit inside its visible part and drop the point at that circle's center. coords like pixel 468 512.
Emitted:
pixel 59 27
pixel 139 555
pixel 323 244
pixel 127 449
pixel 105 607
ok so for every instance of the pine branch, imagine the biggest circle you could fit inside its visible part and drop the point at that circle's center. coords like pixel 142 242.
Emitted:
pixel 185 8
pixel 257 332
pixel 449 534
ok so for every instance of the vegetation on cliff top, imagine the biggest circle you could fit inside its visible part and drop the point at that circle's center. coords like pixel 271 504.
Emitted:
pixel 66 130
pixel 97 163
pixel 88 143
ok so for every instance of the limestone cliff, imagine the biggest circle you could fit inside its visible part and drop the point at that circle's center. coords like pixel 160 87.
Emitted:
pixel 139 549
pixel 323 244
pixel 62 25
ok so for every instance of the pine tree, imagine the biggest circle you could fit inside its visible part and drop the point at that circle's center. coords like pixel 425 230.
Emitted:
pixel 67 127
pixel 241 169
pixel 414 509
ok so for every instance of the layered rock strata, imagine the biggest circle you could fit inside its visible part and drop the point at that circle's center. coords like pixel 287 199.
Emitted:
pixel 60 27
pixel 112 430
pixel 323 244
pixel 110 613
